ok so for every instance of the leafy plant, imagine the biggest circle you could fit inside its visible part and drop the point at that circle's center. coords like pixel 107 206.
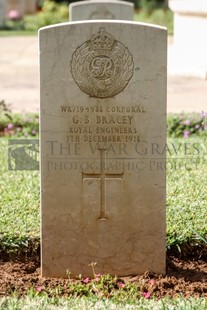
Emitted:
pixel 158 16
pixel 51 13
pixel 149 5
pixel 186 125
pixel 16 124
pixel 107 286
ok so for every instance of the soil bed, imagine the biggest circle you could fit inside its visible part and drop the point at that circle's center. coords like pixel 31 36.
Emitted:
pixel 186 276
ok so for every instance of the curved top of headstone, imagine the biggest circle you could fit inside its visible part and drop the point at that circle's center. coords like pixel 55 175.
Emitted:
pixel 101 9
pixel 191 7
pixel 117 1
pixel 88 22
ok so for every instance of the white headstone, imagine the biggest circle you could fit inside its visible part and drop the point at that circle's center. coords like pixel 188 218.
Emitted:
pixel 103 124
pixel 101 9
pixel 188 56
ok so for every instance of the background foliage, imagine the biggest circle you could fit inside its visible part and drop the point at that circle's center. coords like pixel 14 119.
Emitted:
pixel 53 12
pixel 137 3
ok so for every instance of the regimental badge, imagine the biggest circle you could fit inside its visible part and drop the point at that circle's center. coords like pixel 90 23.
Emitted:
pixel 102 66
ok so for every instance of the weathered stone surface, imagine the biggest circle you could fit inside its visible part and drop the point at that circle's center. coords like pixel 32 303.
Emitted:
pixel 103 110
pixel 101 9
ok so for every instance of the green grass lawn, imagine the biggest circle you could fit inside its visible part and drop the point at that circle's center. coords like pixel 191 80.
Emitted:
pixel 186 223
pixel 20 202
pixel 186 191
pixel 45 303
pixel 186 197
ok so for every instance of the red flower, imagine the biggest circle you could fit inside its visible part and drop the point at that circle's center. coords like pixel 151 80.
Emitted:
pixel 86 280
pixel 146 295
pixel 121 284
pixel 152 282
pixel 39 288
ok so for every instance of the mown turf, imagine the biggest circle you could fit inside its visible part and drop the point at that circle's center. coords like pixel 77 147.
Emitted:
pixel 46 303
pixel 186 197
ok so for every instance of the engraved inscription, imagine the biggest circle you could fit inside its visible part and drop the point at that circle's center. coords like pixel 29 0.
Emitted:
pixel 102 67
pixel 102 176
pixel 102 123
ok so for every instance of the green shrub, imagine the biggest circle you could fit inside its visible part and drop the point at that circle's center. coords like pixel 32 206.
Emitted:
pixel 186 125
pixel 159 17
pixel 13 25
pixel 51 13
pixel 148 4
pixel 17 124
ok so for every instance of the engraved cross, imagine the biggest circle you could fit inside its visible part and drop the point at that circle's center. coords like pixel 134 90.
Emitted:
pixel 102 176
